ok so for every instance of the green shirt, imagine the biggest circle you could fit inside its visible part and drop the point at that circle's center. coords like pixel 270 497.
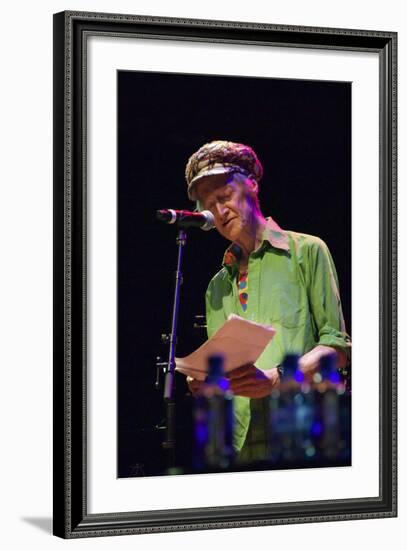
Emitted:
pixel 293 286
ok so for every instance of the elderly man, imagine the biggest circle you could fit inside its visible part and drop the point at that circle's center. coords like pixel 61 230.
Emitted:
pixel 269 275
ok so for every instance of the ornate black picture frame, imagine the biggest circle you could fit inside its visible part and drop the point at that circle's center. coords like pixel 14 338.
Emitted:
pixel 71 517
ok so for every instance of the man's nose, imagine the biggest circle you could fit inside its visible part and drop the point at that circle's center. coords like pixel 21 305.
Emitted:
pixel 221 209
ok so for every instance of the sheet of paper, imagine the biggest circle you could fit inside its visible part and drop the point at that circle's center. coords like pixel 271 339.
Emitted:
pixel 238 340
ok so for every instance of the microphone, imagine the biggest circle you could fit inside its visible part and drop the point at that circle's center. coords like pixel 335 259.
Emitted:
pixel 183 218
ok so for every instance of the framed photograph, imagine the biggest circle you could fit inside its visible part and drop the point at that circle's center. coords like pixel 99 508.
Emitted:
pixel 164 126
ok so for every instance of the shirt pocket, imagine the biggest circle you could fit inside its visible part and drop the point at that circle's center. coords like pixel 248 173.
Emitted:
pixel 287 304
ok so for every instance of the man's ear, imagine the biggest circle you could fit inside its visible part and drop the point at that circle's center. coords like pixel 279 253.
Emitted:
pixel 254 186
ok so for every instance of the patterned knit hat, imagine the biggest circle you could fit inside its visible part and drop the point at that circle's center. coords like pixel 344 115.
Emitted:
pixel 221 157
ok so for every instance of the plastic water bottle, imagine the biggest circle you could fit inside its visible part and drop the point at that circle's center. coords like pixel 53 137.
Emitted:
pixel 283 414
pixel 337 413
pixel 213 418
pixel 333 410
pixel 293 422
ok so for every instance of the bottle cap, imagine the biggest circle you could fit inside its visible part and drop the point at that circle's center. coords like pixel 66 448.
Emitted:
pixel 216 369
pixel 290 365
pixel 328 368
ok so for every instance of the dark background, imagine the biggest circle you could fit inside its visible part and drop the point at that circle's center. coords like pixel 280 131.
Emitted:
pixel 301 132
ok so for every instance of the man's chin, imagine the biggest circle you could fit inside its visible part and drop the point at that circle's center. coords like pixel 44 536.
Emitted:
pixel 232 231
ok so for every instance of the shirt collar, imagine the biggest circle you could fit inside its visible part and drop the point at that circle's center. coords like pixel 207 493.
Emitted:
pixel 272 234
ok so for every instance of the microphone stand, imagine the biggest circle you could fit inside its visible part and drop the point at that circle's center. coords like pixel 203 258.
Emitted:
pixel 169 381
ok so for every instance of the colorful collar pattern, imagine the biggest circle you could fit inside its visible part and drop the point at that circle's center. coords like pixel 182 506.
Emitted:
pixel 243 290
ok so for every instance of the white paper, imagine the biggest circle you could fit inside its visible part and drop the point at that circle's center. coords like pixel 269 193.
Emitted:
pixel 239 341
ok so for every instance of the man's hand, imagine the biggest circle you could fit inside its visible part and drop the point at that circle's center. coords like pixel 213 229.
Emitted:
pixel 309 363
pixel 195 386
pixel 247 381
pixel 250 381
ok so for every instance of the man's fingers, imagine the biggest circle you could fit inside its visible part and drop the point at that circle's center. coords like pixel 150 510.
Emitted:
pixel 238 385
pixel 242 371
pixel 251 390
pixel 241 389
pixel 247 372
pixel 194 385
pixel 255 384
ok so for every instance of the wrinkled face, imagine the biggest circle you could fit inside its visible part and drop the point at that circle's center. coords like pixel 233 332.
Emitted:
pixel 231 199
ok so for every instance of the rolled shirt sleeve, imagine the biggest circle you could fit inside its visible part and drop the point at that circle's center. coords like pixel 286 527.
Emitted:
pixel 325 303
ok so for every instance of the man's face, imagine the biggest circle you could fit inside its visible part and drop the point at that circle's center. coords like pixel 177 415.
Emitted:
pixel 230 198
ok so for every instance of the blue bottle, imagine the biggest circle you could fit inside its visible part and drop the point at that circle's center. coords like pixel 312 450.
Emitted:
pixel 213 419
pixel 333 407
pixel 293 421
pixel 283 414
pixel 337 413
